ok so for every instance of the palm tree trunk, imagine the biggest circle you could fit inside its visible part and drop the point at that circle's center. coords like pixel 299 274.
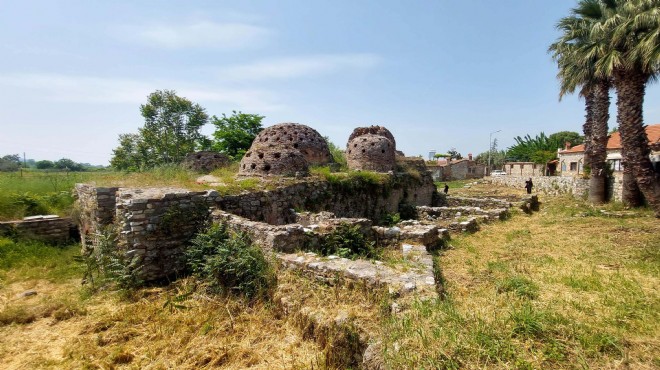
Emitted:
pixel 631 196
pixel 630 87
pixel 598 142
pixel 587 126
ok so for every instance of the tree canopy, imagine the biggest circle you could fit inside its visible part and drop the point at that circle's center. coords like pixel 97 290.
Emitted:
pixel 539 149
pixel 171 130
pixel 234 134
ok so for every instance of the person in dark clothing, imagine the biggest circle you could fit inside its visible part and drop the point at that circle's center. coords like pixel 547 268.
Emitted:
pixel 446 188
pixel 529 185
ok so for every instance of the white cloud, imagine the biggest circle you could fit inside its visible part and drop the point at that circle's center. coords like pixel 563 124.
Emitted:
pixel 199 34
pixel 299 66
pixel 84 89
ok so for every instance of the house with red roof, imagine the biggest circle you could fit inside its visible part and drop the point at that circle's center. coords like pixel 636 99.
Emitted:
pixel 571 159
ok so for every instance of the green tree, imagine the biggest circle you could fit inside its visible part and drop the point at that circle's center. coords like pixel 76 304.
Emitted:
pixel 538 149
pixel 171 131
pixel 454 154
pixel 338 154
pixel 10 163
pixel 68 165
pixel 45 164
pixel 132 154
pixel 171 126
pixel 497 157
pixel 234 134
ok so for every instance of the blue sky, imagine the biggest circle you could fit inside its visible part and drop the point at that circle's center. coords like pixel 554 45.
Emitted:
pixel 438 74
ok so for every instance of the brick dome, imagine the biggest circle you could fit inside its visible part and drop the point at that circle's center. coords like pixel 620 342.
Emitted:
pixel 287 162
pixel 294 136
pixel 285 149
pixel 371 152
pixel 374 130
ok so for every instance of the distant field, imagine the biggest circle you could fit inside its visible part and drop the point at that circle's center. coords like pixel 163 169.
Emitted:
pixel 44 192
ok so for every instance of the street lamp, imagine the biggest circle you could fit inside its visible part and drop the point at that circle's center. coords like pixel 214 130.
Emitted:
pixel 490 149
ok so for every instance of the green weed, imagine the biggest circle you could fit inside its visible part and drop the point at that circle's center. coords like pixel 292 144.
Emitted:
pixel 519 285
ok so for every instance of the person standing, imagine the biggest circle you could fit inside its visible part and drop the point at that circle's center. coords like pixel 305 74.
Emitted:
pixel 529 185
pixel 446 189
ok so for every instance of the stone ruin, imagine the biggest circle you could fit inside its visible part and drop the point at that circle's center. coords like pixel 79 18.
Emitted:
pixel 285 149
pixel 373 130
pixel 155 225
pixel 372 149
pixel 205 161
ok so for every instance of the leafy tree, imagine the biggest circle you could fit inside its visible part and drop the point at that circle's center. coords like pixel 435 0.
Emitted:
pixel 539 149
pixel 567 137
pixel 10 162
pixel 69 165
pixel 454 154
pixel 45 164
pixel 234 134
pixel 13 158
pixel 131 154
pixel 338 154
pixel 170 131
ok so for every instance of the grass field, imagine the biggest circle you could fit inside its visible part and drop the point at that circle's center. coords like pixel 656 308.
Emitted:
pixel 567 287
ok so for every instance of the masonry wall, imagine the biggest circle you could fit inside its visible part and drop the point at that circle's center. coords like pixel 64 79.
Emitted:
pixel 547 184
pixel 528 169
pixel 153 226
pixel 50 229
pixel 96 209
pixel 345 199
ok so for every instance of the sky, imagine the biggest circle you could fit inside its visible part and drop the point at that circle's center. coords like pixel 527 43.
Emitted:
pixel 438 74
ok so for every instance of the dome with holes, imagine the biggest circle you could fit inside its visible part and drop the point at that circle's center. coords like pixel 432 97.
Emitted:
pixel 257 162
pixel 371 152
pixel 374 130
pixel 294 136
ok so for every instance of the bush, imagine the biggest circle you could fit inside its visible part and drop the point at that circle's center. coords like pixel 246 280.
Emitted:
pixel 106 264
pixel 230 263
pixel 349 242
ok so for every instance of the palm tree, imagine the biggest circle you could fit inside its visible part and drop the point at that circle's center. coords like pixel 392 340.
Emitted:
pixel 577 54
pixel 632 58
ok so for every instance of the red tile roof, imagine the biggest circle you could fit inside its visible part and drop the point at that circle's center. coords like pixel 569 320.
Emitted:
pixel 614 141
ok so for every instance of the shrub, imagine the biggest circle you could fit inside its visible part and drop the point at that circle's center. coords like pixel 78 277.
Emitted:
pixel 107 264
pixel 230 263
pixel 349 242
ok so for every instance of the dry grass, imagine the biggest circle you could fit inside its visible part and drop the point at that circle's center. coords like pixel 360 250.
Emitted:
pixel 566 287
pixel 563 288
pixel 152 331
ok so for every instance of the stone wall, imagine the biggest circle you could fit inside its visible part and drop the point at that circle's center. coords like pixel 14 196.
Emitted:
pixel 528 169
pixel 154 225
pixel 547 184
pixel 96 209
pixel 50 229
pixel 271 238
pixel 349 198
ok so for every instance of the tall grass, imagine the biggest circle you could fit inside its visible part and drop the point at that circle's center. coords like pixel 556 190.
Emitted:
pixel 33 259
pixel 563 288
